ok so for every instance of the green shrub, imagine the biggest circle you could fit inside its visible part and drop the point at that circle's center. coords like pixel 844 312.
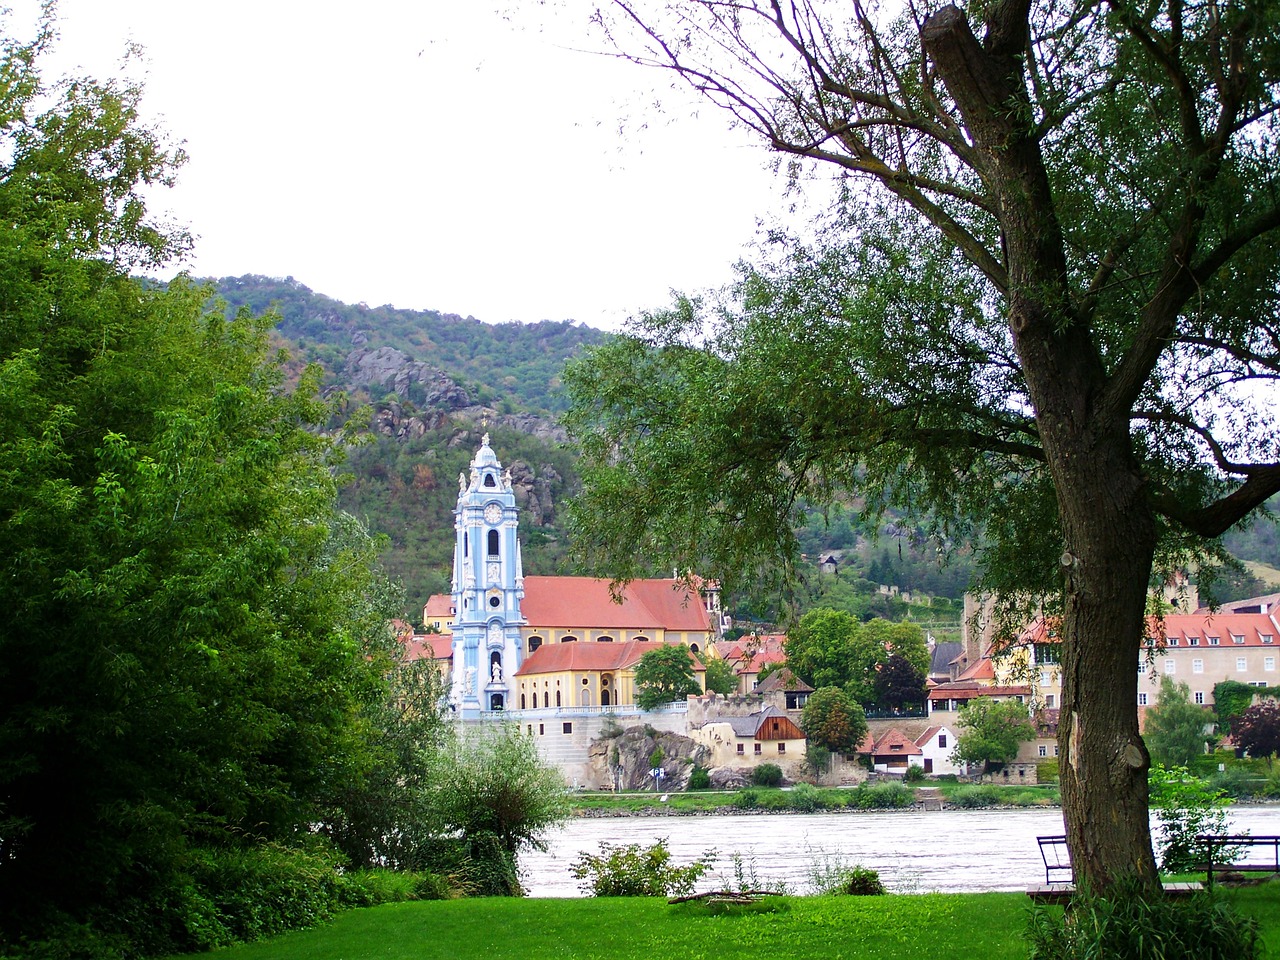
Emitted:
pixel 1128 923
pixel 806 798
pixel 881 796
pixel 747 799
pixel 832 876
pixel 976 797
pixel 914 774
pixel 1243 783
pixel 1184 806
pixel 699 778
pixel 368 888
pixel 767 775
pixel 1047 771
pixel 635 871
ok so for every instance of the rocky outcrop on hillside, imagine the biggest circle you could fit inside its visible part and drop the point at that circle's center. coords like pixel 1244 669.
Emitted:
pixel 629 751
pixel 387 369
pixel 533 492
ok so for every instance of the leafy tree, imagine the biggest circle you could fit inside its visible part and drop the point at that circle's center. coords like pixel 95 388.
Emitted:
pixel 1257 730
pixel 720 677
pixel 493 790
pixel 195 647
pixel 1043 309
pixel 990 732
pixel 663 676
pixel 833 720
pixel 1174 727
pixel 1185 807
pixel 899 684
pixel 830 648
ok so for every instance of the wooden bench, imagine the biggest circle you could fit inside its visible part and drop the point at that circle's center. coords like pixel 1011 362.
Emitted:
pixel 1057 862
pixel 1223 850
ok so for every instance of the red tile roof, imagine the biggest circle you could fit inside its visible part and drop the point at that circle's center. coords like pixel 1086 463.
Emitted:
pixel 894 743
pixel 581 656
pixel 585 602
pixel 968 690
pixel 437 646
pixel 1183 626
pixel 438 605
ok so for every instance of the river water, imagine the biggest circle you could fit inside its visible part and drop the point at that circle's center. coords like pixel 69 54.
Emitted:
pixel 913 851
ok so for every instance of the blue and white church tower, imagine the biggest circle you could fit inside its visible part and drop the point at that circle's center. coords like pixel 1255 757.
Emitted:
pixel 488 585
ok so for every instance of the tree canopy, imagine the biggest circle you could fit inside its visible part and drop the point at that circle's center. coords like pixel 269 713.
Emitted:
pixel 1257 730
pixel 1175 727
pixel 664 675
pixel 1042 313
pixel 833 720
pixel 830 648
pixel 990 732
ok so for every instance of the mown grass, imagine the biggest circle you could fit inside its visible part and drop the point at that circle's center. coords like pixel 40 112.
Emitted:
pixel 902 927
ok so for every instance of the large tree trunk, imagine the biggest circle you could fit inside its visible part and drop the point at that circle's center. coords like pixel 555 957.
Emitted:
pixel 1109 532
pixel 1102 761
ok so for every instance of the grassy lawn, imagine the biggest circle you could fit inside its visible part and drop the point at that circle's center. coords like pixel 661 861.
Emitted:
pixel 906 927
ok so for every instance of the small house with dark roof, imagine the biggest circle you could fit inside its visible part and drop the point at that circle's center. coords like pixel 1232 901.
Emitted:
pixel 768 735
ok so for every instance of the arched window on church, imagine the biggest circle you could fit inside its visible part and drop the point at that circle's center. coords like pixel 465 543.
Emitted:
pixel 568 639
pixel 641 639
pixel 466 544
pixel 534 643
pixel 693 647
pixel 557 698
pixel 604 639
pixel 489 481
pixel 493 543
pixel 546 698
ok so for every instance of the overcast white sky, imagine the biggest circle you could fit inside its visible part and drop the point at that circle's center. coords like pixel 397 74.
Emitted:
pixel 429 154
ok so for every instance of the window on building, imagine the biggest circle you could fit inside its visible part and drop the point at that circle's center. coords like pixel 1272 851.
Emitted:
pixel 1213 641
pixel 741 749
pixel 534 643
pixel 1257 683
pixel 489 481
pixel 530 729
pixel 1268 664
pixel 604 639
pixel 1048 653
pixel 1267 638
pixel 568 727
pixel 557 698
pixel 522 707
pixel 1193 641
pixel 1142 699
pixel 1200 697
pixel 1043 750
pixel 1242 664
pixel 546 699
pixel 782 747
pixel 758 748
pixel 493 543
pixel 942 740
pixel 1050 701
pixel 1142 666
pixel 1237 638
pixel 1197 666
pixel 1171 642
pixel 542 729
pixel 1170 666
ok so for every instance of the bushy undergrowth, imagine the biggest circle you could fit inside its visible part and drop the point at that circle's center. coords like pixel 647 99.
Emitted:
pixel 880 796
pixel 832 875
pixel 986 795
pixel 635 871
pixel 227 895
pixel 1127 924
pixel 767 775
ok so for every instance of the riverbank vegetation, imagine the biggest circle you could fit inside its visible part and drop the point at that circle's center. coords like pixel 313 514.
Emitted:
pixel 806 798
pixel 894 927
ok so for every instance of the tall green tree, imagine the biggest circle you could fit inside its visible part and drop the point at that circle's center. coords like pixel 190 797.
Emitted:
pixel 833 720
pixel 193 639
pixel 1044 308
pixel 1174 727
pixel 990 732
pixel 665 675
pixel 720 677
pixel 900 684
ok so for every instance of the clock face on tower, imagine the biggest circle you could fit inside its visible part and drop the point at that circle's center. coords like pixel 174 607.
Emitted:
pixel 492 513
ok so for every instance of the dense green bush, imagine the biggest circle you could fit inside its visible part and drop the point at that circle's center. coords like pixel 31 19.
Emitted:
pixel 914 774
pixel 635 871
pixel 1127 923
pixel 747 799
pixel 699 778
pixel 767 775
pixel 1185 807
pixel 976 797
pixel 806 798
pixel 881 796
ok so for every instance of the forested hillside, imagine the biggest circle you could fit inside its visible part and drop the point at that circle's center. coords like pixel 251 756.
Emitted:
pixel 431 383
